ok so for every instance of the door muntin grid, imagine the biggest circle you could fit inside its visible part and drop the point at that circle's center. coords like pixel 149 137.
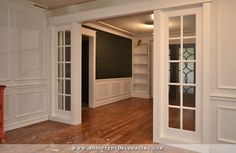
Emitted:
pixel 64 70
pixel 182 73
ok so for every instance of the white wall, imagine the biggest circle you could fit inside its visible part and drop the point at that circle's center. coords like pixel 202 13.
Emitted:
pixel 223 72
pixel 23 60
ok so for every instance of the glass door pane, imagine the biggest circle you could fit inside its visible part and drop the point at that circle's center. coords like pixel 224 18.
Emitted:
pixel 182 73
pixel 64 70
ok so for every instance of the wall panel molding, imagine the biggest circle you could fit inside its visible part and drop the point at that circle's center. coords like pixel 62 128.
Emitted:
pixel 226 132
pixel 111 90
pixel 41 102
pixel 222 97
pixel 23 64
pixel 226 45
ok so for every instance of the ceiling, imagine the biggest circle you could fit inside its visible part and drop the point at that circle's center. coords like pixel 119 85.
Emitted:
pixel 53 4
pixel 139 24
pixel 142 24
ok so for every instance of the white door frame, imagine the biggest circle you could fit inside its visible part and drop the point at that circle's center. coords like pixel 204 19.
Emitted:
pixel 92 61
pixel 77 18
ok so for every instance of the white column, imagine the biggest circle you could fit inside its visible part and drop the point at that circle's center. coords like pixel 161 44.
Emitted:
pixel 76 72
pixel 206 74
pixel 157 60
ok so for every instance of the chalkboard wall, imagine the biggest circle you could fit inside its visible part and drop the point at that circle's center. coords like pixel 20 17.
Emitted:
pixel 113 56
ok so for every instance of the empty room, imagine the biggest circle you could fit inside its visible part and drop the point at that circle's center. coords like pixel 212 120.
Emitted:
pixel 117 72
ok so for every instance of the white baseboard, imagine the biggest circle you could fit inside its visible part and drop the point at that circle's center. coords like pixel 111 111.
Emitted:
pixel 110 100
pixel 61 120
pixel 19 124
pixel 145 96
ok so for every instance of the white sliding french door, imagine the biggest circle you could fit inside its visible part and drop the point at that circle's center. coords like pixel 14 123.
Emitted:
pixel 181 102
pixel 62 77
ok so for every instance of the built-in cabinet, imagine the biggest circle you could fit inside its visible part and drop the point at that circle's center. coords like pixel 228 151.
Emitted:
pixel 141 71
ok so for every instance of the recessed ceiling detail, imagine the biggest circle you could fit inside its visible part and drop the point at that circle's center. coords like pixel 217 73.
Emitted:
pixel 53 4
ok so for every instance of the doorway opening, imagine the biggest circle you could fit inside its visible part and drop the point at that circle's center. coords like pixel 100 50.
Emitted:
pixel 85 71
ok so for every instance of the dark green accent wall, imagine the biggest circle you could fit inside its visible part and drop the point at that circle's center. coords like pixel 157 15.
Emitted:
pixel 113 56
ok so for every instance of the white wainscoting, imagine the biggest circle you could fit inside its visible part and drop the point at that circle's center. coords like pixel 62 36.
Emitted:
pixel 23 64
pixel 111 90
pixel 223 114
pixel 226 45
pixel 226 124
pixel 25 105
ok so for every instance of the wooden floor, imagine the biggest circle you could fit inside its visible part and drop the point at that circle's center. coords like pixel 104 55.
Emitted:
pixel 125 122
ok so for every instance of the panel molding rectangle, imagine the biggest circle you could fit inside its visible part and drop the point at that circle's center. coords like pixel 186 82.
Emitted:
pixel 225 27
pixel 111 90
pixel 43 103
pixel 220 136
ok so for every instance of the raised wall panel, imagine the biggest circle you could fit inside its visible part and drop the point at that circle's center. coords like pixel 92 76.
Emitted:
pixel 35 102
pixel 102 91
pixel 111 90
pixel 126 87
pixel 4 43
pixel 226 124
pixel 116 89
pixel 30 45
pixel 226 44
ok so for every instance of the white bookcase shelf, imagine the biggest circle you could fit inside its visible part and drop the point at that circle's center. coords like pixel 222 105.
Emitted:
pixel 141 71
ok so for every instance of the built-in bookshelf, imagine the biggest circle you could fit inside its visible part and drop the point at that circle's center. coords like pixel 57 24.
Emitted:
pixel 141 71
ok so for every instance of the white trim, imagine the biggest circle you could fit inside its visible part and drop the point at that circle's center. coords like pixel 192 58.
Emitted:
pixel 108 100
pixel 92 63
pixel 116 28
pixel 206 73
pixel 108 30
pixel 220 86
pixel 88 32
pixel 157 73
pixel 219 138
pixel 141 95
pixel 76 76
pixel 112 11
pixel 221 97
pixel 60 119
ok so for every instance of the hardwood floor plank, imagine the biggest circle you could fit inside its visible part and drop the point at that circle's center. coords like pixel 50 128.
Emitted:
pixel 124 122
